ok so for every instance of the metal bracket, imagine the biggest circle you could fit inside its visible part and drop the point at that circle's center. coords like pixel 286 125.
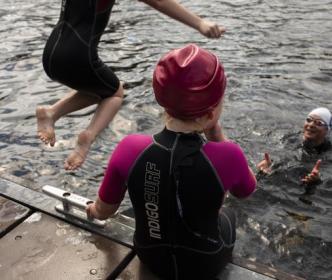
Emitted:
pixel 72 205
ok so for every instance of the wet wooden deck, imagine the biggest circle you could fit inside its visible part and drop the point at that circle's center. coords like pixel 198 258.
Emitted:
pixel 38 243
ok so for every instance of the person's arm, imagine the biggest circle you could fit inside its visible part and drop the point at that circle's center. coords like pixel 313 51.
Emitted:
pixel 248 186
pixel 176 11
pixel 245 181
pixel 101 210
pixel 232 167
pixel 215 134
pixel 113 187
pixel 253 176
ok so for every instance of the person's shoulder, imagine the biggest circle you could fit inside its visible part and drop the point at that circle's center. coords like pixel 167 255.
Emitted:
pixel 137 137
pixel 225 150
pixel 136 140
pixel 227 145
pixel 327 146
pixel 130 147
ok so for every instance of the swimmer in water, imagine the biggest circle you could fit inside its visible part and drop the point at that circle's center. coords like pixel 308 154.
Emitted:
pixel 315 139
pixel 70 57
pixel 176 179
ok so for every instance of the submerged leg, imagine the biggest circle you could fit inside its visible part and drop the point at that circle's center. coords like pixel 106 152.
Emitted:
pixel 104 114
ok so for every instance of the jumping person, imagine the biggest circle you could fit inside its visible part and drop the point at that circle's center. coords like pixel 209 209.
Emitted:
pixel 176 179
pixel 70 57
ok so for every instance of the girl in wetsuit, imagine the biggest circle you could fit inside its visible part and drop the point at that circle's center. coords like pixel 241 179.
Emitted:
pixel 70 57
pixel 176 179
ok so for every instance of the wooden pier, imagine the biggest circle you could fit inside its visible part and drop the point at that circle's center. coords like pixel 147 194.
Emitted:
pixel 40 243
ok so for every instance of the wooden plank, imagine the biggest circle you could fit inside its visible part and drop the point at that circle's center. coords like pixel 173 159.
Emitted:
pixel 11 214
pixel 264 269
pixel 137 271
pixel 234 272
pixel 121 230
pixel 115 229
pixel 43 247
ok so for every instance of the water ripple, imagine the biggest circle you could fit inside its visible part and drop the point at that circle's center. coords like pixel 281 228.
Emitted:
pixel 277 55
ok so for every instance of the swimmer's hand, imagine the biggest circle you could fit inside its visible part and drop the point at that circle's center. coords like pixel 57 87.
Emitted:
pixel 314 176
pixel 265 165
pixel 211 29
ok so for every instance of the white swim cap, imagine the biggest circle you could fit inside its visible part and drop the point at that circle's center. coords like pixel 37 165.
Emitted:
pixel 324 114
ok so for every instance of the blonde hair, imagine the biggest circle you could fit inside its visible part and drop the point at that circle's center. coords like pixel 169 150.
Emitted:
pixel 195 125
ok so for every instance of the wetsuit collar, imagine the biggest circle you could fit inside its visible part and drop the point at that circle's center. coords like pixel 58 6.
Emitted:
pixel 311 149
pixel 167 137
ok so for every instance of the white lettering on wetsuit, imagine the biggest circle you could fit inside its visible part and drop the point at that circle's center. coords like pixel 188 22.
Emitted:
pixel 151 197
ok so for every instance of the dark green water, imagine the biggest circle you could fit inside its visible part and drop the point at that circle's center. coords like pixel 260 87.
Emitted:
pixel 278 56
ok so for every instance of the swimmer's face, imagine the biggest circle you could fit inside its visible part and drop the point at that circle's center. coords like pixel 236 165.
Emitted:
pixel 314 129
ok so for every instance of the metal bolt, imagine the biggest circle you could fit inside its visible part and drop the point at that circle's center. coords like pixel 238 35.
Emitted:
pixel 18 237
pixel 93 271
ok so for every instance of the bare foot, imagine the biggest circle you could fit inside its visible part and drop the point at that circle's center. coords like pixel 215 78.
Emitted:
pixel 78 156
pixel 45 125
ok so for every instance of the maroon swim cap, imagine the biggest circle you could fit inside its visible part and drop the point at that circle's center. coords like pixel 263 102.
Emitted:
pixel 189 82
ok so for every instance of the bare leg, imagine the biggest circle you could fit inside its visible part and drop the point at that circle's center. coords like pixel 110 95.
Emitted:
pixel 47 116
pixel 104 114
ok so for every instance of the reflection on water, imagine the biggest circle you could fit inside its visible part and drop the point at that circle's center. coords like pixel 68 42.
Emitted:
pixel 278 58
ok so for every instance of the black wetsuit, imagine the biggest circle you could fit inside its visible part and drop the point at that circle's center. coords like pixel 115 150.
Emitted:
pixel 309 148
pixel 70 55
pixel 180 233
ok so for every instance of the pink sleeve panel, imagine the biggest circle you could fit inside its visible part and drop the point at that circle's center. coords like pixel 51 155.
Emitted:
pixel 113 186
pixel 232 167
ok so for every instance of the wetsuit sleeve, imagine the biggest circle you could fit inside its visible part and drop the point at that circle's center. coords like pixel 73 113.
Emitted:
pixel 232 167
pixel 113 186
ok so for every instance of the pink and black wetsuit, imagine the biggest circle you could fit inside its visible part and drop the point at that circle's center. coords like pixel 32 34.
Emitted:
pixel 177 184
